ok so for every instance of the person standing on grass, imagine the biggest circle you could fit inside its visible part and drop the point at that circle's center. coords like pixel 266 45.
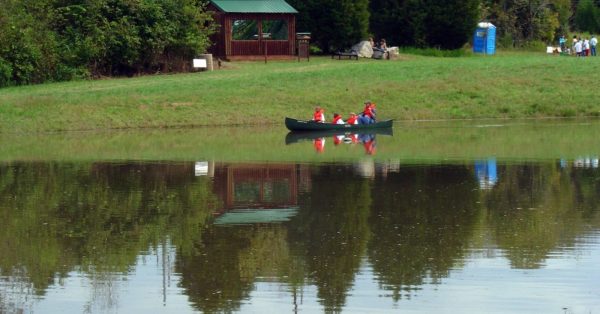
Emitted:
pixel 562 42
pixel 586 47
pixel 573 46
pixel 593 44
pixel 578 48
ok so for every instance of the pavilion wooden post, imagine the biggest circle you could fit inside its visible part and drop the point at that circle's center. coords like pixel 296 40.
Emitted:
pixel 265 51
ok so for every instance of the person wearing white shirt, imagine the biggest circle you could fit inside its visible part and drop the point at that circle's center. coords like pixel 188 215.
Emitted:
pixel 578 48
pixel 353 119
pixel 319 115
pixel 586 47
pixel 337 119
pixel 593 44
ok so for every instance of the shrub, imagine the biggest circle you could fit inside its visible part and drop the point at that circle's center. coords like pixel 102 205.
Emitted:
pixel 534 45
pixel 314 49
pixel 432 52
pixel 5 73
pixel 506 41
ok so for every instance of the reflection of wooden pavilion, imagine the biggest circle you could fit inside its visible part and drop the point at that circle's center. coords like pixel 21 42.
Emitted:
pixel 256 186
pixel 251 29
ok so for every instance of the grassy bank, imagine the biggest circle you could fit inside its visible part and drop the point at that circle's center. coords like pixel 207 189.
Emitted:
pixel 509 85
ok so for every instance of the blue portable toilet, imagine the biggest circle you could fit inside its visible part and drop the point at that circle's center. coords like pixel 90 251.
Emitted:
pixel 484 40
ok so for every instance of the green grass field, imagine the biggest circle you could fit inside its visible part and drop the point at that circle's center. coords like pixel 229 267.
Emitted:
pixel 508 85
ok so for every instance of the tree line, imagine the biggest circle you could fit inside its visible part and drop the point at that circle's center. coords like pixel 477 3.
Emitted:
pixel 55 40
pixel 443 24
pixel 521 22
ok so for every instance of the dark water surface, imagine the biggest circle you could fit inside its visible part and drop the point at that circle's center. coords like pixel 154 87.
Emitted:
pixel 360 235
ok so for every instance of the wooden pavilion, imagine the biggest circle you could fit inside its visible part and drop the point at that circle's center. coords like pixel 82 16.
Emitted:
pixel 253 29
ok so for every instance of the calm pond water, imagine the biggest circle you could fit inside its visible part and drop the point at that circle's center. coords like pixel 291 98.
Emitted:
pixel 354 224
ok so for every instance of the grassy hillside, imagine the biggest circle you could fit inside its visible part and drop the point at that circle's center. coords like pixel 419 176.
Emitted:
pixel 509 85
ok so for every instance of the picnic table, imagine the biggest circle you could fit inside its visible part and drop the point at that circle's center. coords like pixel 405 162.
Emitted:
pixel 349 55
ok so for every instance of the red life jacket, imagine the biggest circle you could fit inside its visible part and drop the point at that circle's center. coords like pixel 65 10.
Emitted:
pixel 352 120
pixel 319 116
pixel 336 119
pixel 368 112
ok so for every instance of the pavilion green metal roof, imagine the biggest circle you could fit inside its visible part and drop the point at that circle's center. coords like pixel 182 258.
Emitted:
pixel 254 6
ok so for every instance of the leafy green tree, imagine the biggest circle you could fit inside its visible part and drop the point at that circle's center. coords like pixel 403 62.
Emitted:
pixel 587 17
pixel 334 24
pixel 401 22
pixel 424 23
pixel 502 15
pixel 546 23
pixel 563 9
pixel 450 24
pixel 27 47
pixel 65 39
pixel 521 21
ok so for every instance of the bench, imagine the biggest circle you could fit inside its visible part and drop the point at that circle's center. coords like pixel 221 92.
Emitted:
pixel 349 55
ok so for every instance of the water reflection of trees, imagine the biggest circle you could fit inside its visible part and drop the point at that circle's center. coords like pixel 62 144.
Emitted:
pixel 536 209
pixel 324 244
pixel 227 261
pixel 422 221
pixel 413 225
pixel 331 232
pixel 95 218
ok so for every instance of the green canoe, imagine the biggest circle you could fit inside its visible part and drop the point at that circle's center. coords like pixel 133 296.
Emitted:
pixel 307 125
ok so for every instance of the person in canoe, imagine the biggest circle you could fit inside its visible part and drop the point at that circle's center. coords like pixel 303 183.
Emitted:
pixel 319 115
pixel 353 119
pixel 337 119
pixel 368 116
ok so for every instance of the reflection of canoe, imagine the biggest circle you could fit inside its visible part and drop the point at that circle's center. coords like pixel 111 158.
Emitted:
pixel 297 136
pixel 304 125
